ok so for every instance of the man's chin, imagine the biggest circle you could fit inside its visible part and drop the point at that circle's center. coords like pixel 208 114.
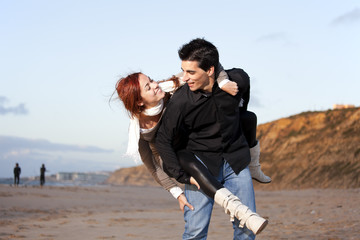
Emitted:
pixel 192 88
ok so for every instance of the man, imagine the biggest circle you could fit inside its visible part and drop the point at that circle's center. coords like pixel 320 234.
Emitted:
pixel 42 175
pixel 210 118
pixel 17 171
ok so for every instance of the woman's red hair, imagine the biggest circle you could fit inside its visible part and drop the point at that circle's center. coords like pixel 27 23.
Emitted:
pixel 128 90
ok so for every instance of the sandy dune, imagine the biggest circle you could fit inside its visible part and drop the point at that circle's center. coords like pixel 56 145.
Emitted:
pixel 125 212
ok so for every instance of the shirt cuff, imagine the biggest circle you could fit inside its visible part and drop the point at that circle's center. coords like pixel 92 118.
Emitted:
pixel 167 86
pixel 176 192
pixel 223 82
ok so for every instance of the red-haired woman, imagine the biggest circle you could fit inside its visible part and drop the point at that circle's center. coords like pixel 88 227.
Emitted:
pixel 145 102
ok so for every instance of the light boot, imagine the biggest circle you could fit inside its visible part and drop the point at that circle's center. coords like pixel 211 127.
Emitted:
pixel 254 166
pixel 235 208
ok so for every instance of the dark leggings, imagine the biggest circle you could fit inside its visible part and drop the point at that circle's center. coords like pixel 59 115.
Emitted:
pixel 248 124
pixel 208 183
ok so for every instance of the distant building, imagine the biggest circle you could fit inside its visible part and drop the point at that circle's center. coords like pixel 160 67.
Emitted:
pixel 92 178
pixel 343 106
pixel 64 176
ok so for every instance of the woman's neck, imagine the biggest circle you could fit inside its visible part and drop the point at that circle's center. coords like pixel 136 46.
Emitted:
pixel 148 122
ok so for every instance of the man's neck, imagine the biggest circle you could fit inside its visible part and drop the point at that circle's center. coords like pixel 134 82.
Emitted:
pixel 208 88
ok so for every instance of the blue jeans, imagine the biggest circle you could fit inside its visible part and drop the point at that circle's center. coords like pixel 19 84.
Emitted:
pixel 197 221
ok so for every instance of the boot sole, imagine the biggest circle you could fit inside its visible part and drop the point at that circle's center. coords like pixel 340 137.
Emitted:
pixel 261 181
pixel 263 226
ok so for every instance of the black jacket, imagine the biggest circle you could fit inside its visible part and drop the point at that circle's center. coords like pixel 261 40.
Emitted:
pixel 211 125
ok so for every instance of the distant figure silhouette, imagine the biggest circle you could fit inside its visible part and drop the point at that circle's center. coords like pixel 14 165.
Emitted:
pixel 42 175
pixel 17 171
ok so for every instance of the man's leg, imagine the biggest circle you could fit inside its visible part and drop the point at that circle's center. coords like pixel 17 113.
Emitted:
pixel 197 221
pixel 241 186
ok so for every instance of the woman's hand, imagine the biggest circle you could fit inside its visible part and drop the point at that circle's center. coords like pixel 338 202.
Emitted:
pixel 194 182
pixel 183 202
pixel 231 88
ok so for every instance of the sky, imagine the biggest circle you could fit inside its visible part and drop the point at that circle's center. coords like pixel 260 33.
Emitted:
pixel 60 60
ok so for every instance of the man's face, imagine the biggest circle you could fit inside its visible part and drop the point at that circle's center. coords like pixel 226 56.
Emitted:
pixel 197 78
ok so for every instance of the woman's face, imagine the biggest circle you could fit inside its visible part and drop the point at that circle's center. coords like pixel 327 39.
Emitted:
pixel 150 92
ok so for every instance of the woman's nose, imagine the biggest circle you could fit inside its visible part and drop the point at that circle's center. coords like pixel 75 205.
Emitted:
pixel 154 85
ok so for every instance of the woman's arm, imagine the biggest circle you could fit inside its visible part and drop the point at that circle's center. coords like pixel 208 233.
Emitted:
pixel 224 83
pixel 153 166
pixel 147 157
pixel 172 84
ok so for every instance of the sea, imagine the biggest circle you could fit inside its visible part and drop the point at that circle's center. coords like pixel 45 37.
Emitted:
pixel 36 182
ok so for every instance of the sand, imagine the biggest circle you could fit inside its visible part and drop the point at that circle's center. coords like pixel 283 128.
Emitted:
pixel 126 212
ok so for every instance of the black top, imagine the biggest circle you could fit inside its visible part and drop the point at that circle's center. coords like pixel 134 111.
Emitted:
pixel 211 123
pixel 17 171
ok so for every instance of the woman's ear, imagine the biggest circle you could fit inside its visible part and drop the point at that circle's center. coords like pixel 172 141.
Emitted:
pixel 140 103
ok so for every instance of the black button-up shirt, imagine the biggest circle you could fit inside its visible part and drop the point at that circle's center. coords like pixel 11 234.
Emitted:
pixel 211 124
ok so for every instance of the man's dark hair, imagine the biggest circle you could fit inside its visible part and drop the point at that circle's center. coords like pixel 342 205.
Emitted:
pixel 201 51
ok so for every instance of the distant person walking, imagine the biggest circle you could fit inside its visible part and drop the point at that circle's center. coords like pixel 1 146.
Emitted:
pixel 17 171
pixel 42 175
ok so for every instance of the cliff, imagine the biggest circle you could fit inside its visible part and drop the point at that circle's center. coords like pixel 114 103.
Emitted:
pixel 312 150
pixel 307 150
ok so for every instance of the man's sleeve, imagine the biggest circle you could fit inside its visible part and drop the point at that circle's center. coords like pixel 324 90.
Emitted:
pixel 166 136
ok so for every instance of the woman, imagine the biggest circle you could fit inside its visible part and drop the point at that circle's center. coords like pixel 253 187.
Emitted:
pixel 145 102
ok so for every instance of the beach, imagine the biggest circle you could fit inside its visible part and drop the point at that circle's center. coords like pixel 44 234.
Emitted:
pixel 135 212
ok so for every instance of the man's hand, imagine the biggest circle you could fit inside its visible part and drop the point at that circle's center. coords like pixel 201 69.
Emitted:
pixel 231 88
pixel 183 202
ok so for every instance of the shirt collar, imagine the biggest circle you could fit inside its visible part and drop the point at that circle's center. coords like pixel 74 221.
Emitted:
pixel 197 95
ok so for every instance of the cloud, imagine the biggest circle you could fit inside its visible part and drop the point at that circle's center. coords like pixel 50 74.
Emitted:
pixel 347 18
pixel 11 146
pixel 17 110
pixel 278 36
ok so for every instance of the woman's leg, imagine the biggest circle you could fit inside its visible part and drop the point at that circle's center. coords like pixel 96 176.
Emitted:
pixel 208 184
pixel 248 123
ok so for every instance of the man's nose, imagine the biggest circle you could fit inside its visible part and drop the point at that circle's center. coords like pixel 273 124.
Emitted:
pixel 185 77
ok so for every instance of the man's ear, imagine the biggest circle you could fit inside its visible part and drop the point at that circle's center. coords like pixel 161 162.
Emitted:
pixel 211 71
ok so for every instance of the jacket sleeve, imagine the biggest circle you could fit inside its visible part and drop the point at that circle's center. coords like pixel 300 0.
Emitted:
pixel 166 136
